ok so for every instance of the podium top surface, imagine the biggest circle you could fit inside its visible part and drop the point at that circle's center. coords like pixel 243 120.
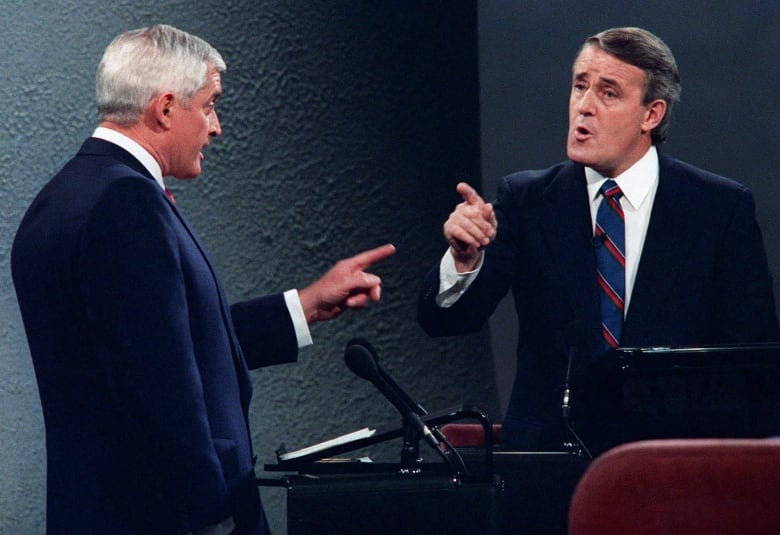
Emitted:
pixel 703 357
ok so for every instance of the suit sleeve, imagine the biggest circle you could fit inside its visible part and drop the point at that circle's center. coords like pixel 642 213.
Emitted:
pixel 134 293
pixel 477 304
pixel 746 310
pixel 265 331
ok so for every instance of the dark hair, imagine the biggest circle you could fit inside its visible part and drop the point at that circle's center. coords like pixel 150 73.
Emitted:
pixel 642 49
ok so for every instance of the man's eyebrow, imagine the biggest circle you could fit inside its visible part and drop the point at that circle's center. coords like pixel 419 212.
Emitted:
pixel 609 81
pixel 583 75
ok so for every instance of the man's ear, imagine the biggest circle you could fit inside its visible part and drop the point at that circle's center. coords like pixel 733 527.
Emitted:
pixel 162 108
pixel 654 113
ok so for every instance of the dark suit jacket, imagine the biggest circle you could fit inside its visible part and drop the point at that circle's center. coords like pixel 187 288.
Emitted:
pixel 702 279
pixel 141 364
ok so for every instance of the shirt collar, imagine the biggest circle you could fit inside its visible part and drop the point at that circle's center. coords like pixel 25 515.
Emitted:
pixel 635 182
pixel 138 152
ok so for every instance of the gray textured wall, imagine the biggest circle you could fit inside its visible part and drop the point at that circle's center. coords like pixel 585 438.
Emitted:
pixel 344 123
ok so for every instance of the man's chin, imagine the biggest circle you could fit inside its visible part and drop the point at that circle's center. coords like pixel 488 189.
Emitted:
pixel 578 155
pixel 190 174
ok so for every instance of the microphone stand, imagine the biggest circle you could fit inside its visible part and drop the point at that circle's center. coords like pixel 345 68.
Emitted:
pixel 578 448
pixel 411 461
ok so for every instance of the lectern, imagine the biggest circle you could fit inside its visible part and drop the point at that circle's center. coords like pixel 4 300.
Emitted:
pixel 715 391
pixel 328 493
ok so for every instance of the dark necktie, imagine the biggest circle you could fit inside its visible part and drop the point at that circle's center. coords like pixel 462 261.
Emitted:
pixel 611 262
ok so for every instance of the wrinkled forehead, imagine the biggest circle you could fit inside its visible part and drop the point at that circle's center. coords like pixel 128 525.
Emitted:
pixel 595 62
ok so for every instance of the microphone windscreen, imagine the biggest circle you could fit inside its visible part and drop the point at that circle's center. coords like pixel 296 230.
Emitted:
pixel 361 361
pixel 357 341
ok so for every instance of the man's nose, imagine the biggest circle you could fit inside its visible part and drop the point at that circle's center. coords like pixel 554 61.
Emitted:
pixel 585 104
pixel 215 128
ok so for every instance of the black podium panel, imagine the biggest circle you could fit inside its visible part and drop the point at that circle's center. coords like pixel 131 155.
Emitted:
pixel 537 490
pixel 391 504
pixel 700 392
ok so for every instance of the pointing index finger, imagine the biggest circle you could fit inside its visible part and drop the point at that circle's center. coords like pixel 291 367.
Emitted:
pixel 468 193
pixel 366 258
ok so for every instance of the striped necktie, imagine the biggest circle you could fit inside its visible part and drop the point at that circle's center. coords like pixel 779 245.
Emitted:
pixel 611 262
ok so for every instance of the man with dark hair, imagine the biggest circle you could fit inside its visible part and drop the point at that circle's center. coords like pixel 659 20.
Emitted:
pixel 142 366
pixel 621 245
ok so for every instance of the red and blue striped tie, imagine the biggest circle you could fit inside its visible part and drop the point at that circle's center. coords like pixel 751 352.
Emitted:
pixel 611 262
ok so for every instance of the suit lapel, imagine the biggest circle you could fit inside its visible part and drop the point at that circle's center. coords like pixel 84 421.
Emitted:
pixel 242 371
pixel 662 247
pixel 238 355
pixel 566 229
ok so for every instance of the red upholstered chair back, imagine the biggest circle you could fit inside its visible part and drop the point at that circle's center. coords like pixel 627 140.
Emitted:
pixel 690 487
pixel 468 435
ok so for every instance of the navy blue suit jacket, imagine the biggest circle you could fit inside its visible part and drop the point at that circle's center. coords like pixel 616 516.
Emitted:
pixel 703 278
pixel 141 364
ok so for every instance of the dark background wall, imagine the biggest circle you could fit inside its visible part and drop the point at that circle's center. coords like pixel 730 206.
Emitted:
pixel 345 123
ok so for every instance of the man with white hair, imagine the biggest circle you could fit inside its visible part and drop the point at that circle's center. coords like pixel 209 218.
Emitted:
pixel 141 364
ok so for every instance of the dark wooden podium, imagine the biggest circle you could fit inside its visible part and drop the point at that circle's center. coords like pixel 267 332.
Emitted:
pixel 391 504
pixel 488 491
pixel 528 493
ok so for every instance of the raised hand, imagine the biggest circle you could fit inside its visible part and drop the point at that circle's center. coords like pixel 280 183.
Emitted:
pixel 470 227
pixel 344 286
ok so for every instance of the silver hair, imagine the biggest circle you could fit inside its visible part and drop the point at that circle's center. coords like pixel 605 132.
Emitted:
pixel 141 64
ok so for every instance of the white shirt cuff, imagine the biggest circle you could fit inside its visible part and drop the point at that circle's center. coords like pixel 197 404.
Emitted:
pixel 451 283
pixel 302 332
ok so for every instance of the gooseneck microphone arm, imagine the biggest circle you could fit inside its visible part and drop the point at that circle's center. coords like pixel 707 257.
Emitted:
pixel 414 405
pixel 361 358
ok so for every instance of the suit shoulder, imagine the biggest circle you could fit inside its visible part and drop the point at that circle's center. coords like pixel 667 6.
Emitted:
pixel 538 177
pixel 533 184
pixel 700 178
pixel 92 176
pixel 85 189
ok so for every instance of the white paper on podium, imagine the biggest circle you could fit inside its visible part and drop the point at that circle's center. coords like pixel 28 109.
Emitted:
pixel 321 446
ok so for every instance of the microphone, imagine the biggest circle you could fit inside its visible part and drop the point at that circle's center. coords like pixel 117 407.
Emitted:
pixel 566 403
pixel 574 335
pixel 361 358
pixel 598 240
